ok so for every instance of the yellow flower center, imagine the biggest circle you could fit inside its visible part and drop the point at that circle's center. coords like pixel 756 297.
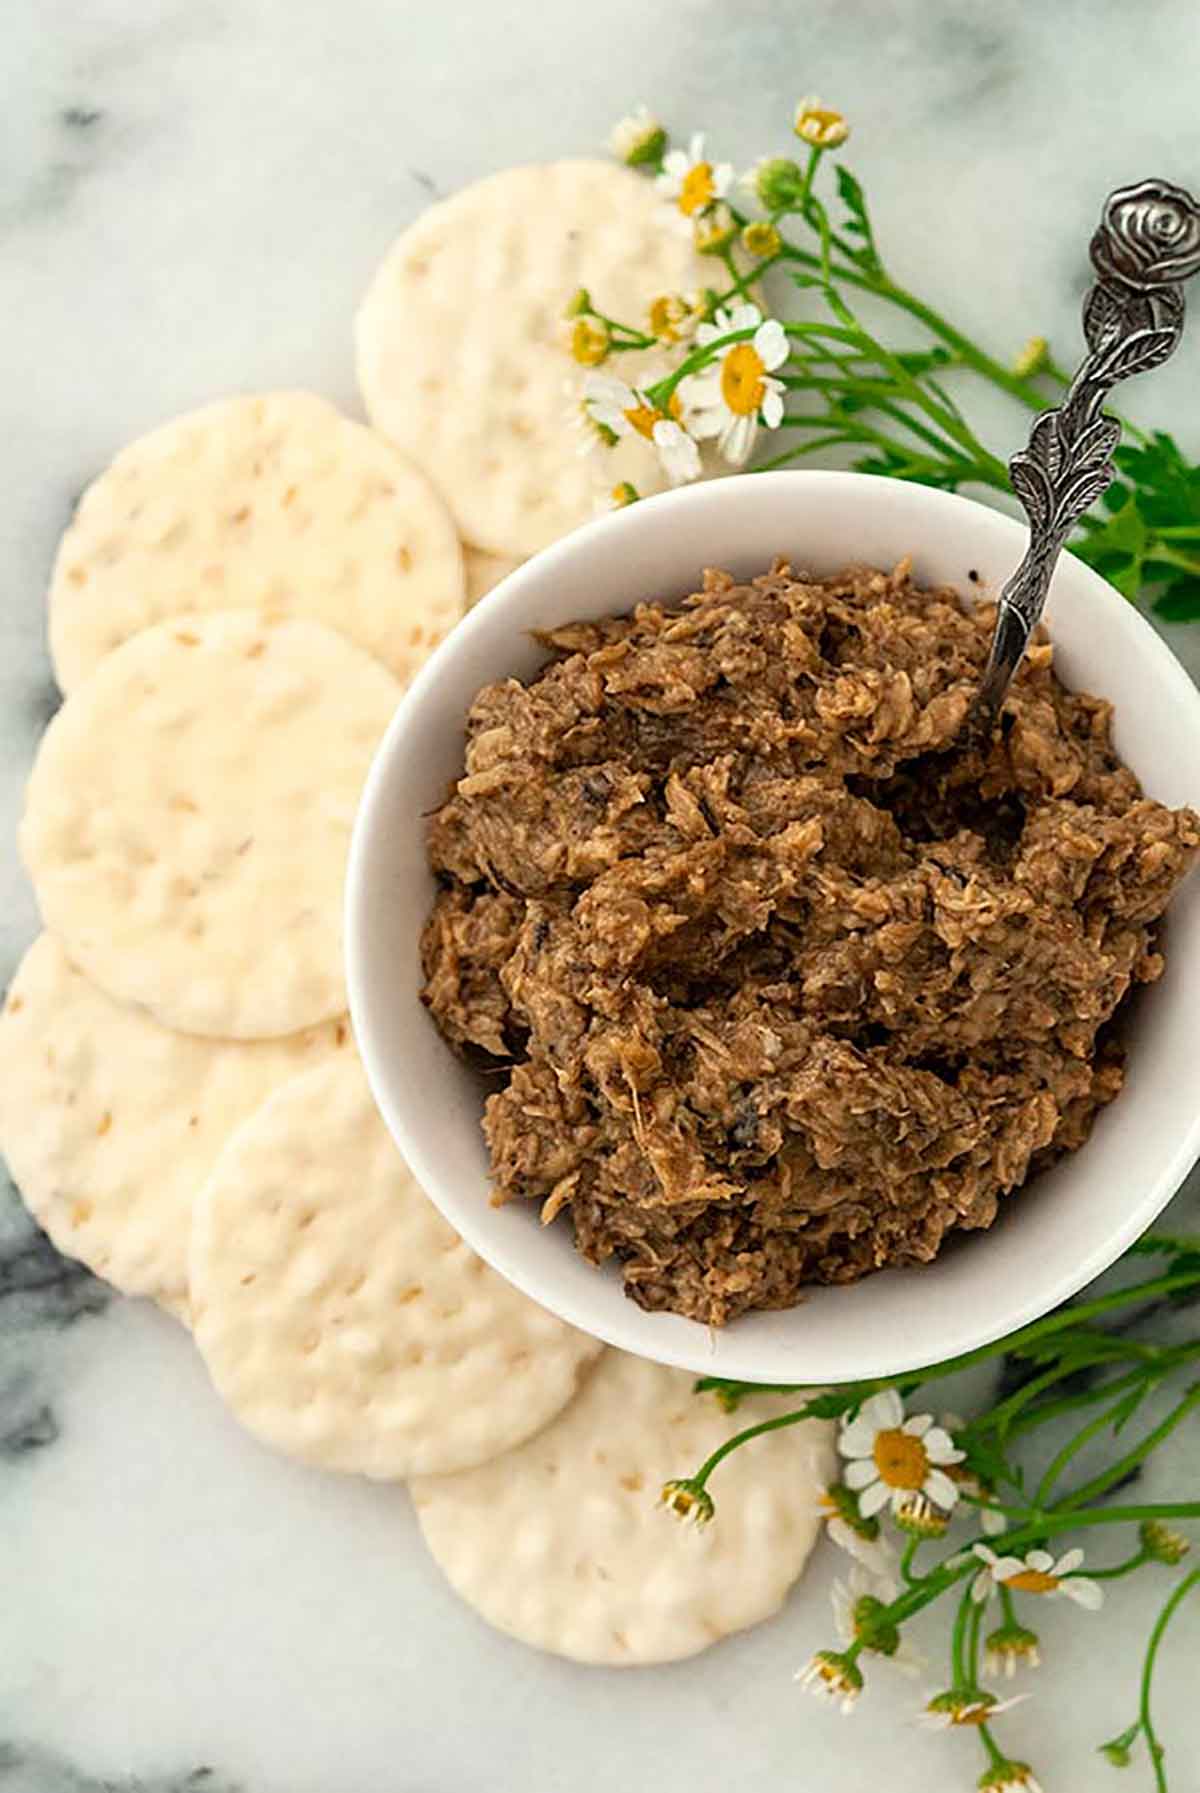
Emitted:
pixel 901 1460
pixel 971 1715
pixel 589 342
pixel 644 417
pixel 743 389
pixel 697 190
pixel 820 124
pixel 1032 1581
pixel 666 314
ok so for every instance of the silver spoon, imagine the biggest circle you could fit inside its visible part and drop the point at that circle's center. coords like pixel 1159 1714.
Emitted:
pixel 1147 245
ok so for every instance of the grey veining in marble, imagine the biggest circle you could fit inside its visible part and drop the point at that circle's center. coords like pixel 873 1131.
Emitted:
pixel 193 194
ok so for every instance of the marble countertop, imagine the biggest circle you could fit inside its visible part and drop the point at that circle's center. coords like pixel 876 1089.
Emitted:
pixel 193 194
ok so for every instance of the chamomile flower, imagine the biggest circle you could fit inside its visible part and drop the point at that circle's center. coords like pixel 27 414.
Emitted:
pixel 917 1515
pixel 860 1616
pixel 732 397
pixel 860 1538
pixel 1009 1777
pixel 1010 1647
pixel 832 1676
pixel 622 410
pixel 672 316
pixel 691 1504
pixel 590 341
pixel 965 1706
pixel 692 183
pixel 892 1458
pixel 638 138
pixel 822 126
pixel 623 494
pixel 1036 1573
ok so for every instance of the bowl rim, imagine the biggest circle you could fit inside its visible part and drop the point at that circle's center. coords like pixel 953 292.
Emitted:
pixel 523 1268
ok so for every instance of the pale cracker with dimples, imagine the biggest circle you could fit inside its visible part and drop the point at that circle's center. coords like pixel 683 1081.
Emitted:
pixel 341 1318
pixel 187 822
pixel 111 1123
pixel 561 1543
pixel 273 502
pixel 461 360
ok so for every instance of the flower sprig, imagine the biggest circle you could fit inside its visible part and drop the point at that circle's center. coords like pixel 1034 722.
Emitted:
pixel 834 384
pixel 1092 1363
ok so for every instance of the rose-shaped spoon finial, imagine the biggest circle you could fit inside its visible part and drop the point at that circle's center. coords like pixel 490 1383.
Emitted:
pixel 1147 244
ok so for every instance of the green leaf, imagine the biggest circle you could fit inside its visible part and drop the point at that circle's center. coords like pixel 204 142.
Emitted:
pixel 1180 602
pixel 1126 529
pixel 1125 1410
pixel 857 222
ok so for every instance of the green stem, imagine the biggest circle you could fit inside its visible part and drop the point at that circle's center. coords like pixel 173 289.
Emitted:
pixel 1069 1450
pixel 1118 1569
pixel 996 1756
pixel 1172 557
pixel 882 286
pixel 812 445
pixel 958 1660
pixel 814 161
pixel 1007 1605
pixel 906 1561
pixel 1115 1472
pixel 1179 1594
pixel 974 1624
pixel 739 1438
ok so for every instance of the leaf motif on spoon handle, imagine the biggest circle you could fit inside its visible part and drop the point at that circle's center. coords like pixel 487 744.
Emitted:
pixel 1147 244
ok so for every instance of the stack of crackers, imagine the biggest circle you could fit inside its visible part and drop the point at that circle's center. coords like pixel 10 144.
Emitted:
pixel 233 614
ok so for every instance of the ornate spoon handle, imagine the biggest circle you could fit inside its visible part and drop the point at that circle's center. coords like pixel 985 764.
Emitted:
pixel 1147 245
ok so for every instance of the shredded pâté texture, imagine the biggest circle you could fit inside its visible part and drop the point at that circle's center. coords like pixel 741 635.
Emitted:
pixel 771 985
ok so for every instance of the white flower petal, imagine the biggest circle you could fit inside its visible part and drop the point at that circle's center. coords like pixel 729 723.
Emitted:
pixel 1071 1559
pixel 696 148
pixel 875 1554
pixel 981 1587
pixel 884 1410
pixel 705 425
pixel 1084 1592
pixel 702 390
pixel 744 317
pixel 917 1424
pixel 873 1499
pixel 985 1555
pixel 677 452
pixel 861 1472
pixel 722 178
pixel 992 1521
pixel 857 1437
pixel 772 406
pixel 771 344
pixel 941 1448
pixel 940 1489
pixel 1004 1567
pixel 737 439
pixel 1042 1561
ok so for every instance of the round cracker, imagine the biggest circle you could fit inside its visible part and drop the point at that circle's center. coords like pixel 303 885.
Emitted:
pixel 460 347
pixel 273 502
pixel 188 819
pixel 341 1318
pixel 562 1545
pixel 483 570
pixel 111 1123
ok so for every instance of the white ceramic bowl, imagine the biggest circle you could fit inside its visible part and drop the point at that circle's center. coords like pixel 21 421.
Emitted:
pixel 1050 1240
